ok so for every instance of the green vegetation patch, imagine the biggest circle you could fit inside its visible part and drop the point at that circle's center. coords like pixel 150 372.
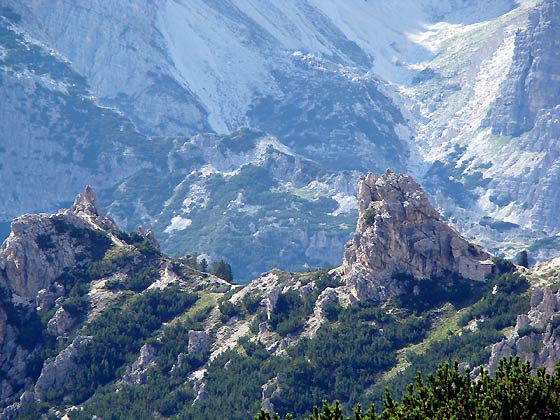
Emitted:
pixel 118 333
pixel 513 392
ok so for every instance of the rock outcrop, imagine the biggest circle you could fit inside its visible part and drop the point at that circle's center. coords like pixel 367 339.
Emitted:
pixel 535 337
pixel 39 249
pixel 199 342
pixel 41 263
pixel 55 373
pixel 60 323
pixel 137 373
pixel 40 246
pixel 399 232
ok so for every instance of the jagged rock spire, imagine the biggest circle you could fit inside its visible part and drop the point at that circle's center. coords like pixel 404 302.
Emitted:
pixel 399 232
pixel 88 203
pixel 39 248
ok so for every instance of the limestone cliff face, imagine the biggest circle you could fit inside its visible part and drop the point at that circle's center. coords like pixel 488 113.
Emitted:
pixel 516 159
pixel 40 247
pixel 399 232
pixel 532 84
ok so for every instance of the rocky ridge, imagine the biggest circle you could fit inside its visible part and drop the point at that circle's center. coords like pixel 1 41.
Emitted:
pixel 244 191
pixel 40 246
pixel 535 337
pixel 39 267
pixel 397 232
pixel 59 242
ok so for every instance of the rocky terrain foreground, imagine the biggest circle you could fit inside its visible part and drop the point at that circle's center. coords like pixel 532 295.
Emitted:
pixel 98 322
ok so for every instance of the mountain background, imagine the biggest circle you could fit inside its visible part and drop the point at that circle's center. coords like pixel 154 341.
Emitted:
pixel 238 129
pixel 242 130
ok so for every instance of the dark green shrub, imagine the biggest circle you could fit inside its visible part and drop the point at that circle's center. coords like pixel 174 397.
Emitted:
pixel 45 241
pixel 76 306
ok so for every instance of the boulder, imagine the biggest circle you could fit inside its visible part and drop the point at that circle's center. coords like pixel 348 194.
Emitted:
pixel 56 372
pixel 60 323
pixel 138 372
pixel 199 342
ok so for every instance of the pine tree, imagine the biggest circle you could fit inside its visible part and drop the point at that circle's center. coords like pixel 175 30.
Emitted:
pixel 222 270
pixel 523 259
pixel 514 392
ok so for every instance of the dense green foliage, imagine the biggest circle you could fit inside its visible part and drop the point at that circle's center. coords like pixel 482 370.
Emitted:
pixel 523 259
pixel 165 392
pixel 421 295
pixel 290 313
pixel 501 306
pixel 35 411
pixel 292 310
pixel 503 299
pixel 222 270
pixel 512 393
pixel 118 335
pixel 25 320
pixel 343 359
pixel 234 383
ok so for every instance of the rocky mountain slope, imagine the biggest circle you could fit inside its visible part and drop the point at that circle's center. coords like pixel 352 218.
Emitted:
pixel 55 136
pixel 61 272
pixel 196 192
pixel 244 197
pixel 145 335
pixel 178 68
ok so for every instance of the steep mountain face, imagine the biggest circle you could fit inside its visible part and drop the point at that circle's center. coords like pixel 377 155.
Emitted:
pixel 400 233
pixel 199 194
pixel 527 111
pixel 118 48
pixel 55 137
pixel 531 86
pixel 489 102
pixel 176 68
pixel 435 88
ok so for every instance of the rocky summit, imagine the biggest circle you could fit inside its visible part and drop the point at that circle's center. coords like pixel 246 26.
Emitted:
pixel 40 247
pixel 400 233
